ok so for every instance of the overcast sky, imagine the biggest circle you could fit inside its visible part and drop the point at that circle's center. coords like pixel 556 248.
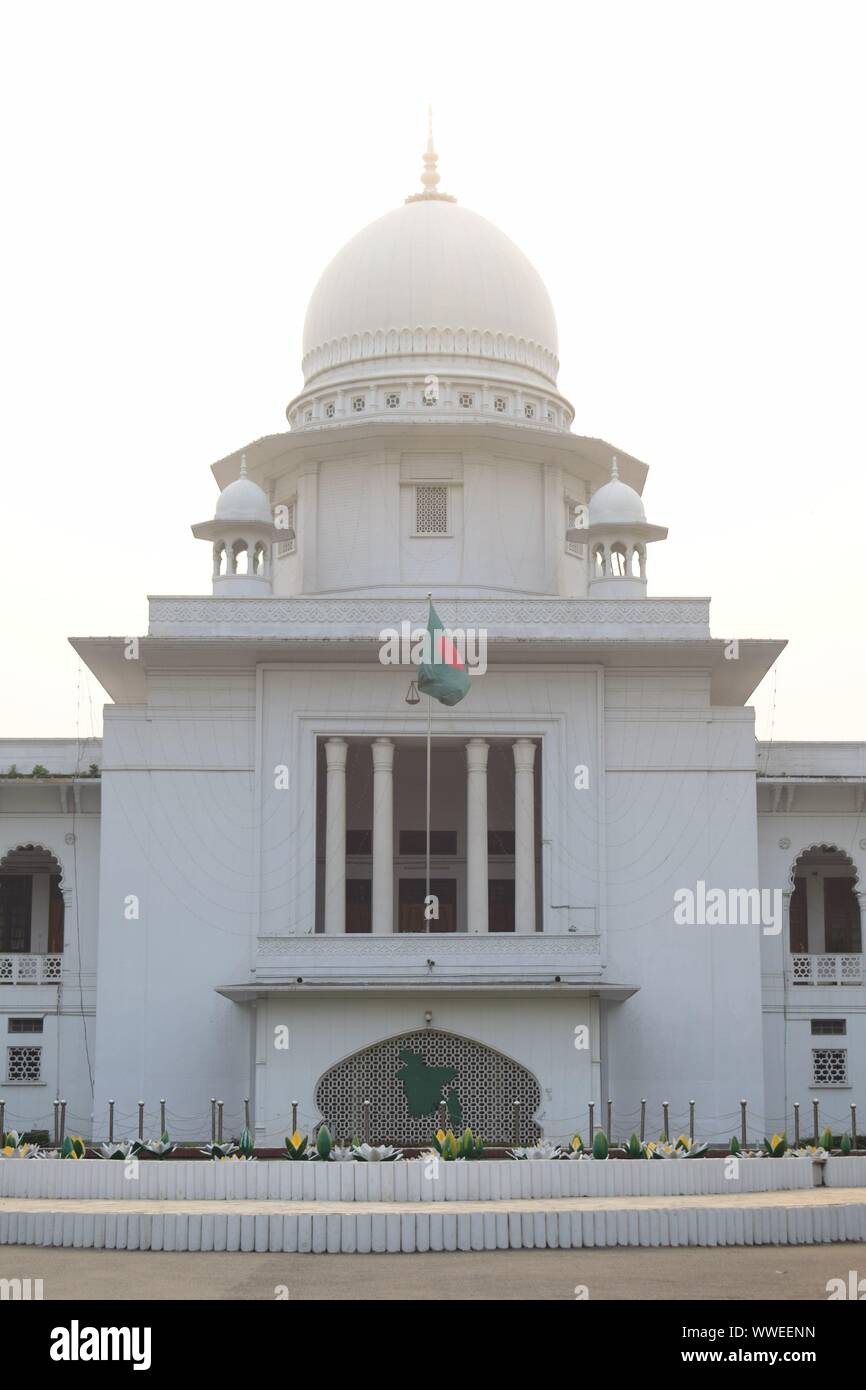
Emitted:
pixel 687 178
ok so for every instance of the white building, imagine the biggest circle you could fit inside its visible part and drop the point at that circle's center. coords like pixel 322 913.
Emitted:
pixel 230 902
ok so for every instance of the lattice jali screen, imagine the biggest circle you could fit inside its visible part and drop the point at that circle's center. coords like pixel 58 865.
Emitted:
pixel 431 509
pixel 24 1064
pixel 829 1066
pixel 478 1085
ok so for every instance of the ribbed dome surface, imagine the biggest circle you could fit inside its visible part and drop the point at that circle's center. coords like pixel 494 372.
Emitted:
pixel 431 276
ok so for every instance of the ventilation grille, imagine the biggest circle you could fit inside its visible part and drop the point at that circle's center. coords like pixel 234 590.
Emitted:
pixel 829 1066
pixel 24 1064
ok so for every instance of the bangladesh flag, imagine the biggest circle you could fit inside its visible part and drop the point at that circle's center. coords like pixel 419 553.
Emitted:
pixel 445 678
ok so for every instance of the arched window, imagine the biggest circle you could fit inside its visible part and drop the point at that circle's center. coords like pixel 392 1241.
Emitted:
pixel 825 911
pixel 31 902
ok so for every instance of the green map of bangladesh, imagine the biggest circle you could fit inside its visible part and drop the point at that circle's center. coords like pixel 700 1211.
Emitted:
pixel 423 1087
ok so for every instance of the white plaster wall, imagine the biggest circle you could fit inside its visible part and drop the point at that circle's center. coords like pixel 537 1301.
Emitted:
pixel 356 524
pixel 680 807
pixel 536 1032
pixel 179 835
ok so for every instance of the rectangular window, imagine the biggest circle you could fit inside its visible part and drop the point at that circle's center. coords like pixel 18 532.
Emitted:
pixel 575 516
pixel 359 906
pixel 359 842
pixel 290 544
pixel 829 1066
pixel 500 904
pixel 441 842
pixel 15 901
pixel 829 1027
pixel 431 509
pixel 500 842
pixel 24 1064
pixel 25 1025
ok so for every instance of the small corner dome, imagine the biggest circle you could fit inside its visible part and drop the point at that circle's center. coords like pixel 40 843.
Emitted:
pixel 243 500
pixel 616 504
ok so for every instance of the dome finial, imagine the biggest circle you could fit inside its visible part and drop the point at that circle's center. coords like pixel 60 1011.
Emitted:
pixel 430 174
pixel 614 468
pixel 243 465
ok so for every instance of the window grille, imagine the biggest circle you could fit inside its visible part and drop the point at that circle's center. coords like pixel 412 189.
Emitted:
pixel 829 1026
pixel 392 400
pixel 466 400
pixel 829 1066
pixel 431 510
pixel 24 1064
pixel 330 410
pixel 358 403
pixel 529 412
pixel 499 403
pixel 25 1025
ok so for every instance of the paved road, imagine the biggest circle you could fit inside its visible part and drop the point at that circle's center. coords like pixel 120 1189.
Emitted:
pixel 763 1272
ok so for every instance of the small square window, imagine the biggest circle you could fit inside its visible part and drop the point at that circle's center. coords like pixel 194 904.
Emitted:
pixel 431 510
pixel 829 1027
pixel 392 400
pixel 358 403
pixel 529 412
pixel 330 410
pixel 26 1025
pixel 829 1066
pixel 499 403
pixel 466 400
pixel 24 1064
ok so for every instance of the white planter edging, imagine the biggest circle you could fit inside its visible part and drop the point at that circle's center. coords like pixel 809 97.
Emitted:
pixel 486 1180
pixel 366 1232
pixel 845 1172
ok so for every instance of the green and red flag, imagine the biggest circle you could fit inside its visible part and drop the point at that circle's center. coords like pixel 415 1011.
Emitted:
pixel 445 676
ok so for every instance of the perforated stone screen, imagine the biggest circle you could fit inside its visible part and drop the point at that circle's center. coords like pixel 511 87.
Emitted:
pixel 407 1077
pixel 829 1066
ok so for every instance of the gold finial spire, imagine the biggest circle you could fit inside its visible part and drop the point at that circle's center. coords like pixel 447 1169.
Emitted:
pixel 430 174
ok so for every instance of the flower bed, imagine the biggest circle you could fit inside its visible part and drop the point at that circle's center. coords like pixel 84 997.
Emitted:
pixel 424 1179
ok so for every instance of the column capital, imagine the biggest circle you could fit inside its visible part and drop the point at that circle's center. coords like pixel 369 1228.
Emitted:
pixel 476 754
pixel 383 753
pixel 524 754
pixel 336 750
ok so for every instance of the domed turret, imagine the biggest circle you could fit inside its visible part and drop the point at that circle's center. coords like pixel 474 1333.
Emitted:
pixel 241 534
pixel 618 534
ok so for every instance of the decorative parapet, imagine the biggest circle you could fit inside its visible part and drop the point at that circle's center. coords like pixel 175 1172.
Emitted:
pixel 661 619
pixel 428 959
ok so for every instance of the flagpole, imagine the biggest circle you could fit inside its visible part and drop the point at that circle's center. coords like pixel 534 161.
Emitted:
pixel 429 742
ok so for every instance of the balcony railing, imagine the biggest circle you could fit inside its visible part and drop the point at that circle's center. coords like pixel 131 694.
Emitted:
pixel 826 970
pixel 23 969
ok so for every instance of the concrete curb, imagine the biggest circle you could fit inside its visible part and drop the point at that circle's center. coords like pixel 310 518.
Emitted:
pixel 409 1230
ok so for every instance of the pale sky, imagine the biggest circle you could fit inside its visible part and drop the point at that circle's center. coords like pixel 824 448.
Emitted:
pixel 687 178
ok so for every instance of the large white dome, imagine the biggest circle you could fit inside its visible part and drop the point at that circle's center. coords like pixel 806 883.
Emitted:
pixel 430 277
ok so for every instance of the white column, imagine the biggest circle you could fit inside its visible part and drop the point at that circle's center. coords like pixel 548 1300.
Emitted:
pixel 524 835
pixel 335 837
pixel 476 836
pixel 383 837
